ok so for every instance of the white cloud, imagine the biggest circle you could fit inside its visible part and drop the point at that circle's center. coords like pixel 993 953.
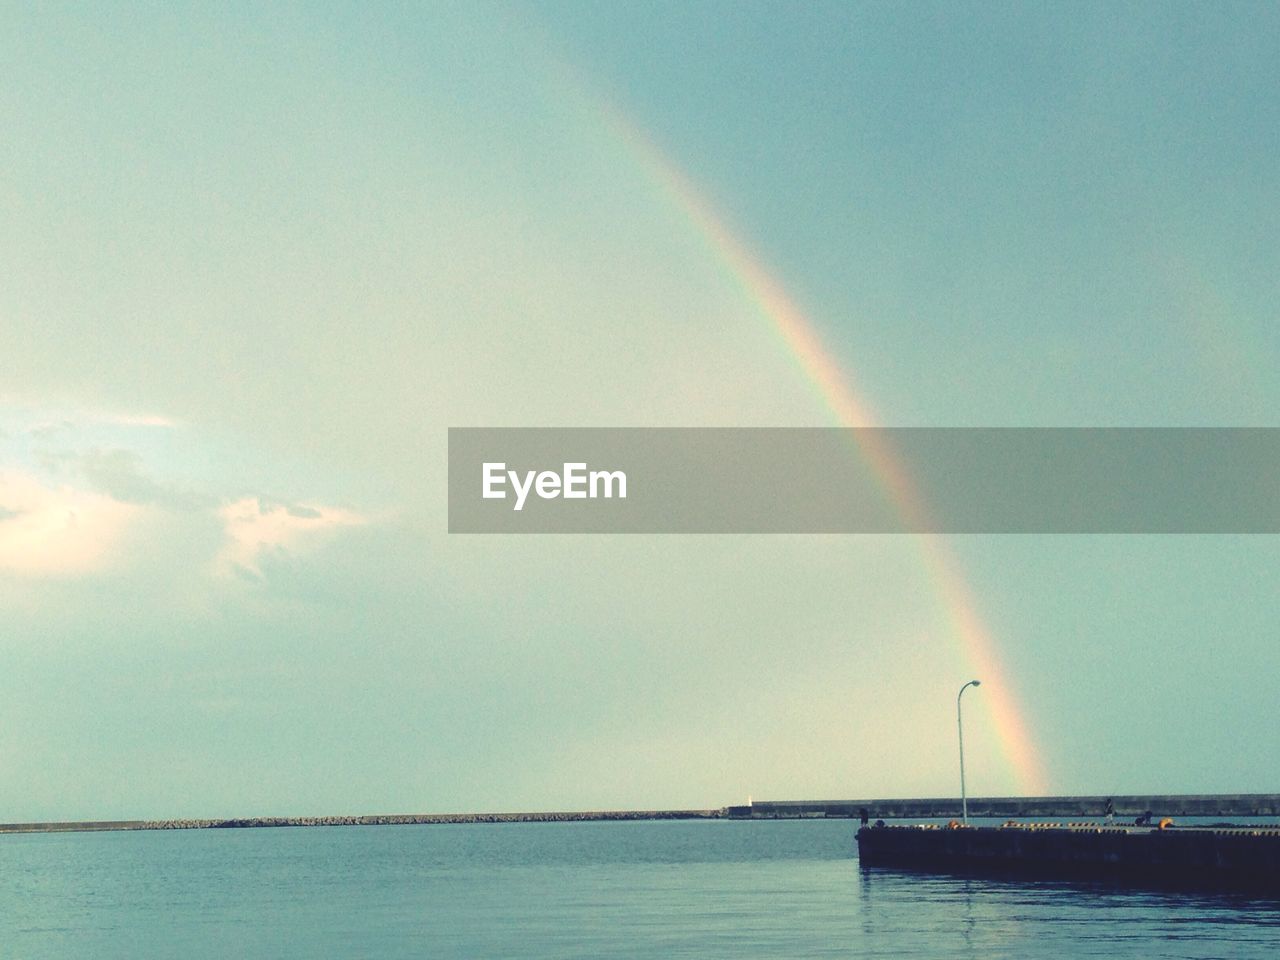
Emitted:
pixel 254 527
pixel 55 531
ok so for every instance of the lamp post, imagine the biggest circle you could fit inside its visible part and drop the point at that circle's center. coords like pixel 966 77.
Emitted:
pixel 964 800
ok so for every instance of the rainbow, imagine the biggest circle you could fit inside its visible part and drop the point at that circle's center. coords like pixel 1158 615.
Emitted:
pixel 848 409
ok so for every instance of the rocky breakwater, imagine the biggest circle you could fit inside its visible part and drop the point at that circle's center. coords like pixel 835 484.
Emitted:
pixel 360 821
pixel 428 818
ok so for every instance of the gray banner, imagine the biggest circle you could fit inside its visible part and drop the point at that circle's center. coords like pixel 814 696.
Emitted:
pixel 886 480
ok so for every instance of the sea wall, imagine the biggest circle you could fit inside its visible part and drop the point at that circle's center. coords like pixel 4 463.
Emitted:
pixel 1171 805
pixel 361 821
pixel 1195 857
pixel 1126 806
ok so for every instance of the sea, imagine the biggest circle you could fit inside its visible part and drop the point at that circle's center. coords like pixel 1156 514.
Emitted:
pixel 650 889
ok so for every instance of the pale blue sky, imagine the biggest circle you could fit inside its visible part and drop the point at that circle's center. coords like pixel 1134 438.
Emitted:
pixel 258 260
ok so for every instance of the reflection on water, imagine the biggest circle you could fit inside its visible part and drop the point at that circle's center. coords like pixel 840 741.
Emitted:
pixel 1006 917
pixel 706 889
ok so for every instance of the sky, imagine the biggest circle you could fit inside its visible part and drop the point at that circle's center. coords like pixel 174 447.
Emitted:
pixel 256 261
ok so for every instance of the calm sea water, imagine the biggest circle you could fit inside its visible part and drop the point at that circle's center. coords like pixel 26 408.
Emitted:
pixel 668 889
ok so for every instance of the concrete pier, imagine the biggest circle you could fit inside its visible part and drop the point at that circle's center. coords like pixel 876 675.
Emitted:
pixel 1004 808
pixel 1163 856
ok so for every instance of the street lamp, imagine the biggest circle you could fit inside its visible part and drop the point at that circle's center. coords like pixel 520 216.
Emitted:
pixel 964 801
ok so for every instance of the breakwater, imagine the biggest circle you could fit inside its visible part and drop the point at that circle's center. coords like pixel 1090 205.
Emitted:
pixel 372 820
pixel 1130 805
pixel 1005 808
pixel 1238 858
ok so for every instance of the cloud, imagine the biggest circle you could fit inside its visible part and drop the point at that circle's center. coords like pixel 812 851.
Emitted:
pixel 80 493
pixel 116 473
pixel 45 431
pixel 256 527
pixel 134 419
pixel 58 531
